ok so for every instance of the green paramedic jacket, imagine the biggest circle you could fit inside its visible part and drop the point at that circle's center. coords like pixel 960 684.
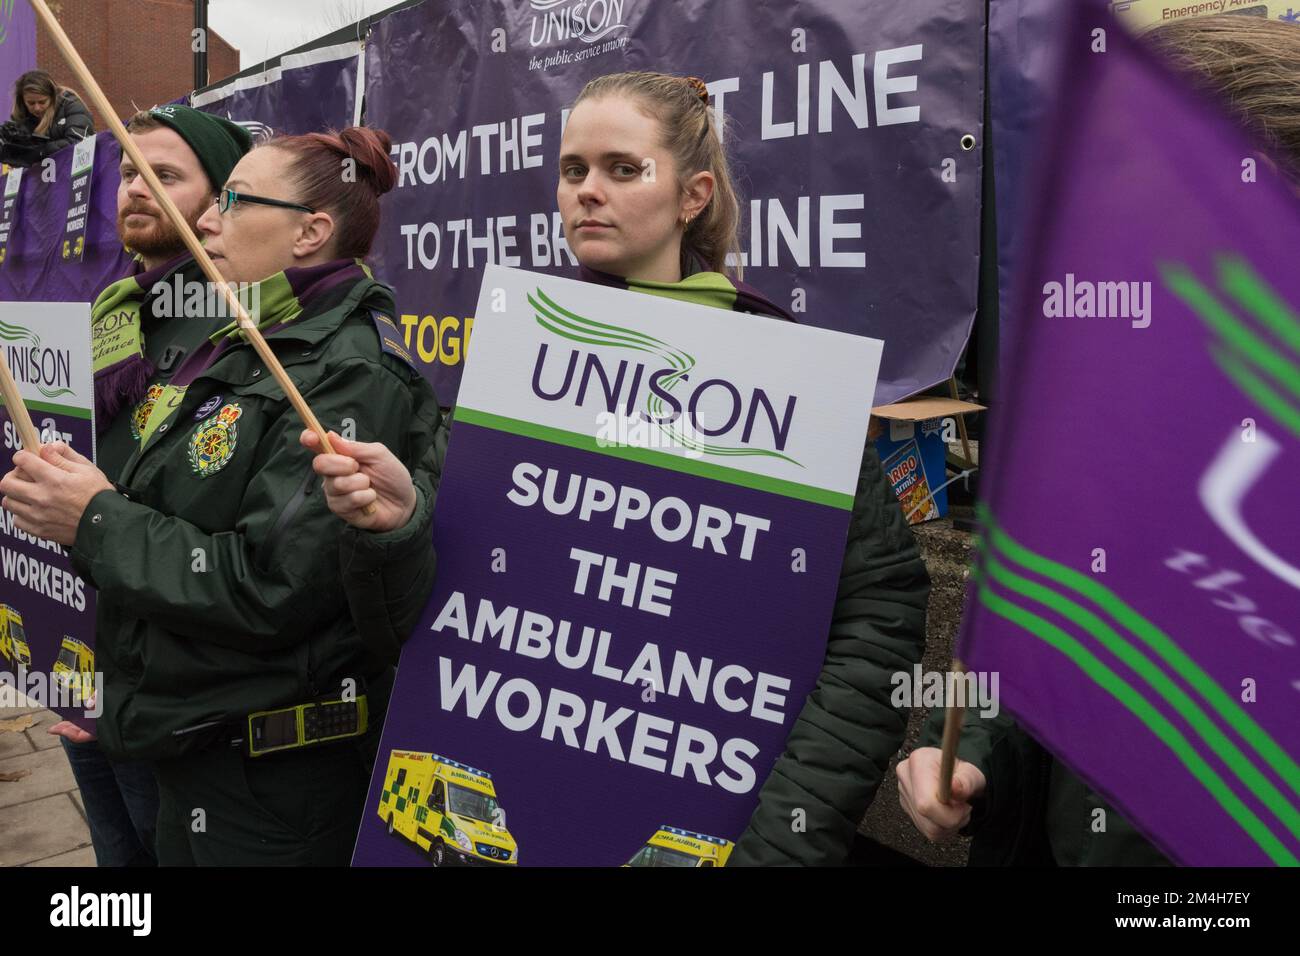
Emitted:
pixel 840 745
pixel 218 564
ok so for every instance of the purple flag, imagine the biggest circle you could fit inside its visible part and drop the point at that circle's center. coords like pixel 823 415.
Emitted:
pixel 1139 584
pixel 17 45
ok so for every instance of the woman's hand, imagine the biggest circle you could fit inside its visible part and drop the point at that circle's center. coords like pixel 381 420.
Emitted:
pixel 48 493
pixel 918 792
pixel 66 728
pixel 361 473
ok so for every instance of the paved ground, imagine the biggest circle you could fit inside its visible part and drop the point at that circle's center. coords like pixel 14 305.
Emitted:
pixel 41 818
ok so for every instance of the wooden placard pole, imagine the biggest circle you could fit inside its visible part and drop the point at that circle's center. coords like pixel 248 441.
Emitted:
pixel 18 409
pixel 952 720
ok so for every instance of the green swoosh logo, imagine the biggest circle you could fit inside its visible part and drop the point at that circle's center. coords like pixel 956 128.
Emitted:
pixel 17 333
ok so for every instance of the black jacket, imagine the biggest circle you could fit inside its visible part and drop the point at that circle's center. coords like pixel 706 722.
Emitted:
pixel 72 122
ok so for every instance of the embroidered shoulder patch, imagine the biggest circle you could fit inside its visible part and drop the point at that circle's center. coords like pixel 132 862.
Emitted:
pixel 140 417
pixel 208 407
pixel 390 337
pixel 213 443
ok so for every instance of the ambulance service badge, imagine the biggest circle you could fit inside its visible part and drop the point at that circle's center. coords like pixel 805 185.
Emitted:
pixel 213 443
pixel 140 417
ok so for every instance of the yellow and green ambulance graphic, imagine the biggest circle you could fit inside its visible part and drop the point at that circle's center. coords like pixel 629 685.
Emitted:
pixel 13 639
pixel 75 667
pixel 671 846
pixel 445 808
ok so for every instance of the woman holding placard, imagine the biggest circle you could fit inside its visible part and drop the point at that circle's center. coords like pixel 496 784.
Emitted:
pixel 648 205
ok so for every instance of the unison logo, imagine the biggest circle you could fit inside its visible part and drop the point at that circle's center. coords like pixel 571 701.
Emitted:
pixel 50 370
pixel 555 21
pixel 660 389
pixel 1256 344
pixel 259 131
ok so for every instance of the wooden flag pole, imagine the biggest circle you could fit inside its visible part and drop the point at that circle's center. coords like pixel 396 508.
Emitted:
pixel 129 147
pixel 952 719
pixel 18 409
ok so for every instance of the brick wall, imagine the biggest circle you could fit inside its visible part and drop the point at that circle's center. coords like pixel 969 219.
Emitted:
pixel 138 50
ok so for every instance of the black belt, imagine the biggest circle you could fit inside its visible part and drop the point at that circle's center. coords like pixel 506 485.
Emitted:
pixel 297 726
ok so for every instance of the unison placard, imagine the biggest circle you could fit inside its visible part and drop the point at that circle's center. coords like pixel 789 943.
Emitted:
pixel 639 530
pixel 47 612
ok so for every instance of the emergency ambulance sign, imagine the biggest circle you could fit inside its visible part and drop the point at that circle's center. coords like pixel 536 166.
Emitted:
pixel 47 612
pixel 639 532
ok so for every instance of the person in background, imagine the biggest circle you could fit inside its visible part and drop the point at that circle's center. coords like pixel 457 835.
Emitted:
pixel 49 116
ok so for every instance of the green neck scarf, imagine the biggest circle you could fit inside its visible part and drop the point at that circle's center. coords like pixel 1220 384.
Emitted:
pixel 121 368
pixel 701 288
pixel 279 299
pixel 274 302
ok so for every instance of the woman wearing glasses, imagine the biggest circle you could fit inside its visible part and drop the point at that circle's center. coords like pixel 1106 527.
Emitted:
pixel 229 656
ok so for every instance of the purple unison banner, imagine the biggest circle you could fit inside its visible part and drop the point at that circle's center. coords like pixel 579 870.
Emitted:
pixel 17 46
pixel 1024 40
pixel 1139 587
pixel 33 267
pixel 47 612
pixel 305 93
pixel 640 529
pixel 847 124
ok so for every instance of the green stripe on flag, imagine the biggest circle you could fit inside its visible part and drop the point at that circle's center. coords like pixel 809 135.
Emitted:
pixel 1174 695
pixel 1250 383
pixel 1141 708
pixel 1254 293
pixel 657 459
pixel 1202 301
pixel 1157 640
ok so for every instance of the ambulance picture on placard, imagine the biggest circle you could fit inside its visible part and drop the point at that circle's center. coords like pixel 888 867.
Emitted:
pixel 675 847
pixel 447 809
pixel 13 639
pixel 75 667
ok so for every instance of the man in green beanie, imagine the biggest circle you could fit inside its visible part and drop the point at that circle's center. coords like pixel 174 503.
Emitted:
pixel 140 334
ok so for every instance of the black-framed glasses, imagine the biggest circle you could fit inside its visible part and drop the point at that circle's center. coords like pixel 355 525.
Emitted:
pixel 227 199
